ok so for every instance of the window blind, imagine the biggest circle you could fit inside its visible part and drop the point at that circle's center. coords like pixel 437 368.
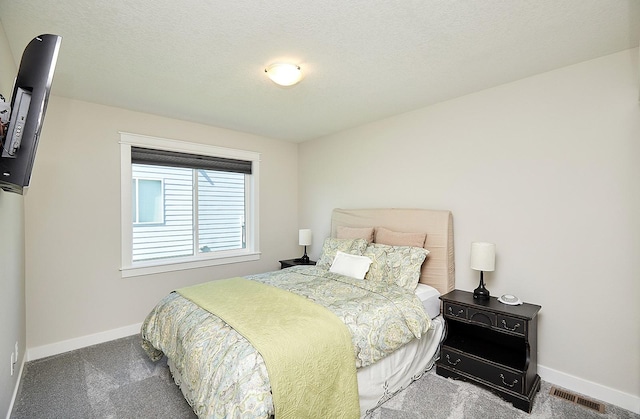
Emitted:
pixel 141 155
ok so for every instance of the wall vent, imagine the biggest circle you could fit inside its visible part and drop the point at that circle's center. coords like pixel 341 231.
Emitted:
pixel 575 398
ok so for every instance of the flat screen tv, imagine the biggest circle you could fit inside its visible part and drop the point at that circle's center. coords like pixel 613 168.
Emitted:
pixel 28 106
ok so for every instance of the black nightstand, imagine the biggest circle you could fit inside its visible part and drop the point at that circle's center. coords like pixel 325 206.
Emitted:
pixel 491 344
pixel 294 262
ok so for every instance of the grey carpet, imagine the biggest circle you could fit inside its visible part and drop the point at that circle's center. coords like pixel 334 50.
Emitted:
pixel 117 380
pixel 435 397
pixel 111 380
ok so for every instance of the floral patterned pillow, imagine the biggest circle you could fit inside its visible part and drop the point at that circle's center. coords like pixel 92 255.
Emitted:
pixel 332 246
pixel 398 265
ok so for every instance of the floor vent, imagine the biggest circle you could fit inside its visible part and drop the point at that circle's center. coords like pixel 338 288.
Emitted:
pixel 574 398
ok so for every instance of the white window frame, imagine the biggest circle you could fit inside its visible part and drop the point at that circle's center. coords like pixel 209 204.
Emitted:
pixel 201 259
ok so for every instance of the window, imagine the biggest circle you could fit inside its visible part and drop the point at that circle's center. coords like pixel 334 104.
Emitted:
pixel 147 199
pixel 186 205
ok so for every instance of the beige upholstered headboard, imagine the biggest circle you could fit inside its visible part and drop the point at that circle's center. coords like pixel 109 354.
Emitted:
pixel 438 269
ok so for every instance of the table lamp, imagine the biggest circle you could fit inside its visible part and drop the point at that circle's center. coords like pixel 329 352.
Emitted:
pixel 304 239
pixel 483 259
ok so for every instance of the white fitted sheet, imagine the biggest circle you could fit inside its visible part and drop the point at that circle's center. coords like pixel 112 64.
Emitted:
pixel 430 298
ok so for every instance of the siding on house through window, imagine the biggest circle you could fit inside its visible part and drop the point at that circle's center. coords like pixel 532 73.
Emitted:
pixel 220 216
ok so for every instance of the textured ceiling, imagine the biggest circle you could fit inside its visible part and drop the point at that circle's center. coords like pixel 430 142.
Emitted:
pixel 363 60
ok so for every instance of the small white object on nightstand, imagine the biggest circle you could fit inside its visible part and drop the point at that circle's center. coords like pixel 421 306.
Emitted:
pixel 509 299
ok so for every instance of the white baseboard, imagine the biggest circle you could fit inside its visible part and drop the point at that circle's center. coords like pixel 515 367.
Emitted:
pixel 81 342
pixel 15 390
pixel 590 389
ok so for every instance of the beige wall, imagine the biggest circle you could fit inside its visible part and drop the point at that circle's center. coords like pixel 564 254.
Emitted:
pixel 12 300
pixel 547 168
pixel 12 297
pixel 72 216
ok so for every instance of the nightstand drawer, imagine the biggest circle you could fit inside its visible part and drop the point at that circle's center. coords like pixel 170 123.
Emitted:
pixel 478 368
pixel 513 325
pixel 455 310
pixel 486 318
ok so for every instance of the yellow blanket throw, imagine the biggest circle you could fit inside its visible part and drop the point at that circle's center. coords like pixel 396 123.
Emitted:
pixel 306 348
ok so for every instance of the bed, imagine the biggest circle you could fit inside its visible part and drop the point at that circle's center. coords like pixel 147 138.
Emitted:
pixel 221 371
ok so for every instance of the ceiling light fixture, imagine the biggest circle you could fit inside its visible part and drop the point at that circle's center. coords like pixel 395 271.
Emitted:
pixel 284 74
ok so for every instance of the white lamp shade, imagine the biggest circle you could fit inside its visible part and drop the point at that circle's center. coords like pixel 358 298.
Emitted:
pixel 304 237
pixel 284 74
pixel 483 256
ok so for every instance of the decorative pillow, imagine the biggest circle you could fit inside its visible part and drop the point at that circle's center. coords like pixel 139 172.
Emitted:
pixel 396 238
pixel 398 265
pixel 350 265
pixel 366 233
pixel 332 245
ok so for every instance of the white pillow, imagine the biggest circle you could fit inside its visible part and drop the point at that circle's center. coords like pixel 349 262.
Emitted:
pixel 350 265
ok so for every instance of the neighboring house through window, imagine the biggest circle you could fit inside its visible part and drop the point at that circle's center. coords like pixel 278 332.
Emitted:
pixel 147 199
pixel 186 205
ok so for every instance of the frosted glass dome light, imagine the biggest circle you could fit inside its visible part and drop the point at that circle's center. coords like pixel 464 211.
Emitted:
pixel 284 74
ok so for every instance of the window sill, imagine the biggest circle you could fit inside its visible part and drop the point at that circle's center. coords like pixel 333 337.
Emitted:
pixel 156 268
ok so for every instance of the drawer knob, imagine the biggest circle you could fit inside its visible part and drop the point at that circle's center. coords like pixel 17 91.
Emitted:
pixel 454 363
pixel 507 384
pixel 512 329
pixel 458 314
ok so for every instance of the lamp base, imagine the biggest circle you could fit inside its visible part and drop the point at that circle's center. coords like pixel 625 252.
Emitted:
pixel 303 259
pixel 481 293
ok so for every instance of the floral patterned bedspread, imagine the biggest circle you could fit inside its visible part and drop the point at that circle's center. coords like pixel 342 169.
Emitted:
pixel 222 375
